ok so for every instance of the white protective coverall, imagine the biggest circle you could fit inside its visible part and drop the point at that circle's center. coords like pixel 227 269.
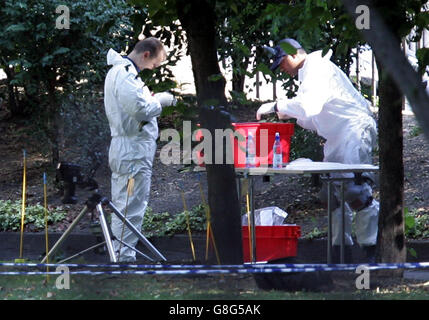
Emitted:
pixel 426 79
pixel 327 102
pixel 132 113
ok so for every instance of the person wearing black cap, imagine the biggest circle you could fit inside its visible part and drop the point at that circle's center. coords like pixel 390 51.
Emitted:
pixel 328 103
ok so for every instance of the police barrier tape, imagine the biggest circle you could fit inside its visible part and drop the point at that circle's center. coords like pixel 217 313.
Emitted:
pixel 206 269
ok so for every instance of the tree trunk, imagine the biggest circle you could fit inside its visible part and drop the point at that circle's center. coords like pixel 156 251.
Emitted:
pixel 198 20
pixel 391 237
pixel 222 195
pixel 388 17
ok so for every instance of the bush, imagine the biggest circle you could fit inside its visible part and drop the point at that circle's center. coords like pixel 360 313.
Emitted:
pixel 10 216
pixel 44 63
pixel 162 224
pixel 416 224
pixel 306 144
pixel 38 56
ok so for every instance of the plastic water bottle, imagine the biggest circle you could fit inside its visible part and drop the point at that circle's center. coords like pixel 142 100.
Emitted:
pixel 277 153
pixel 250 151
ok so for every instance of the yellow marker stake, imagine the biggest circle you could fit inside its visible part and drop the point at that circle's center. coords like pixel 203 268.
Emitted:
pixel 214 244
pixel 188 224
pixel 45 202
pixel 24 189
pixel 208 221
pixel 207 233
pixel 130 192
pixel 209 228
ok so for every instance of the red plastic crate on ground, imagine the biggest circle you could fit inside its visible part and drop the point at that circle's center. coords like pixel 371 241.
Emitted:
pixel 272 242
pixel 264 150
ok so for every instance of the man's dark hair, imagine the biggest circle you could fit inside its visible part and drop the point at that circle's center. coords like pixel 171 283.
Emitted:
pixel 153 45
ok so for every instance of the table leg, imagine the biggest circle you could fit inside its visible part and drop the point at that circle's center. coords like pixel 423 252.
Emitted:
pixel 329 253
pixel 238 182
pixel 252 219
pixel 343 221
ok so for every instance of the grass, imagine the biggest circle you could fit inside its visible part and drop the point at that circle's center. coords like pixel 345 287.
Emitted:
pixel 133 287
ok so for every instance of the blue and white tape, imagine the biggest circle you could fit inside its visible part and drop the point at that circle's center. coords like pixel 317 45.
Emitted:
pixel 206 269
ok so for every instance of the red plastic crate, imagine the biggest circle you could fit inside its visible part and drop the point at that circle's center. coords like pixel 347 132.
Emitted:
pixel 272 242
pixel 264 153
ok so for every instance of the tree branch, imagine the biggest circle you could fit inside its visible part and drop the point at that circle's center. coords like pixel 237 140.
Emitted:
pixel 388 51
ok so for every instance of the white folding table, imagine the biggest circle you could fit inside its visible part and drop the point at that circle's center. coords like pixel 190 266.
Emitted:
pixel 329 171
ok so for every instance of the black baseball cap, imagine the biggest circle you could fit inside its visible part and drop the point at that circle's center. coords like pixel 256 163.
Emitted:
pixel 279 53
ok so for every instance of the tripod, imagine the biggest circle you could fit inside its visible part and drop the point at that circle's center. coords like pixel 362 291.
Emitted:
pixel 95 202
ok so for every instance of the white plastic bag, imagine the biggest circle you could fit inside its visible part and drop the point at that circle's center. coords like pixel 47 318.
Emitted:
pixel 269 216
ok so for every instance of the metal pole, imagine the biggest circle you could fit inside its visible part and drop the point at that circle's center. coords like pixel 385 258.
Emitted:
pixel 134 230
pixel 373 83
pixel 252 219
pixel 358 69
pixel 257 84
pixel 404 47
pixel 134 249
pixel 82 252
pixel 238 181
pixel 342 223
pixel 274 90
pixel 329 222
pixel 66 234
pixel 106 233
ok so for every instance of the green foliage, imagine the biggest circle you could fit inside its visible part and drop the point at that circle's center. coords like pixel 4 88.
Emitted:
pixel 241 34
pixel 160 21
pixel 240 99
pixel 415 131
pixel 422 55
pixel 45 64
pixel 412 252
pixel 416 224
pixel 162 224
pixel 162 13
pixel 315 234
pixel 42 55
pixel 10 216
pixel 186 109
pixel 244 27
pixel 306 144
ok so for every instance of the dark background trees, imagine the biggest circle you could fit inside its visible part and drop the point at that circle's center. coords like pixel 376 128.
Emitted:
pixel 45 64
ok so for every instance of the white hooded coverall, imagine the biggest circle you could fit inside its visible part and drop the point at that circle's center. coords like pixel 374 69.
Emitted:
pixel 132 113
pixel 327 102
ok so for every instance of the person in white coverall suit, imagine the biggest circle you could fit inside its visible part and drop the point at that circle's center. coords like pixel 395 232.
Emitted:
pixel 132 112
pixel 327 102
